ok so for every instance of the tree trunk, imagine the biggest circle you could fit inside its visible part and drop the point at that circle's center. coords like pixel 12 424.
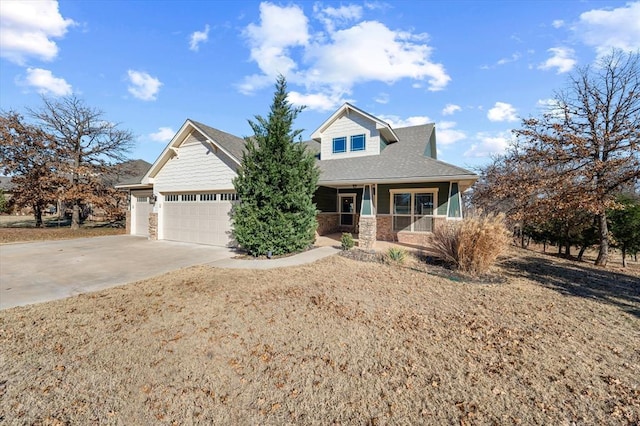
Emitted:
pixel 544 246
pixel 37 214
pixel 567 249
pixel 603 254
pixel 75 216
pixel 582 250
pixel 624 256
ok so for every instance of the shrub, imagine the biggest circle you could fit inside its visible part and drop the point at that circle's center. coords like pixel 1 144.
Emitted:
pixel 471 245
pixel 396 255
pixel 347 241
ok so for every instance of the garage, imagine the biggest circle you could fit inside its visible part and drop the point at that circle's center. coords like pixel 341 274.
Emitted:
pixel 202 218
pixel 140 209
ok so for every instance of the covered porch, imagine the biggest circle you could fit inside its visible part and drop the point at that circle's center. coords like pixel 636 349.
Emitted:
pixel 396 212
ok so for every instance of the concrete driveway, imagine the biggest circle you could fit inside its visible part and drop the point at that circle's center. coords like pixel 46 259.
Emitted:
pixel 42 271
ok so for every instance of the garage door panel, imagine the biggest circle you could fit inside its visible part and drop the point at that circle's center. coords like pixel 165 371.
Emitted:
pixel 203 222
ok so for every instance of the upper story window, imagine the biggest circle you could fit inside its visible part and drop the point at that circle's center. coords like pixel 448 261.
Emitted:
pixel 339 144
pixel 357 143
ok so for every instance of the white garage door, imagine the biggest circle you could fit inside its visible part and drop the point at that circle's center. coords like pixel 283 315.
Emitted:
pixel 198 218
pixel 140 212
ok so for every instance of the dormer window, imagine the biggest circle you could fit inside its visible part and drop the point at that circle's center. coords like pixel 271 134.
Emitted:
pixel 339 145
pixel 357 143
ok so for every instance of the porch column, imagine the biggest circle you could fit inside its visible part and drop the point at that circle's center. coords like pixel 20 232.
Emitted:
pixel 367 223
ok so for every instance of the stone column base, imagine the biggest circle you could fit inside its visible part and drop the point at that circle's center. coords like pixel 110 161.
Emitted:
pixel 367 234
pixel 153 226
pixel 127 222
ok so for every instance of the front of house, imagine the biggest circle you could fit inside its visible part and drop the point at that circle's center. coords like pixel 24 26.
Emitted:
pixel 380 182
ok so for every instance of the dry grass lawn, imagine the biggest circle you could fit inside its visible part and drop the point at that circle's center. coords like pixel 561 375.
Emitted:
pixel 18 229
pixel 335 342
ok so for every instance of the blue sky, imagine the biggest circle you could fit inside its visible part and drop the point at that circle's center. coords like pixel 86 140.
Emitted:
pixel 472 67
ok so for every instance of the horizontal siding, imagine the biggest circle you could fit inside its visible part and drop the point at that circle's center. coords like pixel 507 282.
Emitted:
pixel 196 167
pixel 326 199
pixel 350 125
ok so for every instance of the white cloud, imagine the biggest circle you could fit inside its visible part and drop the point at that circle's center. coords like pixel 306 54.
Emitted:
pixel 331 16
pixel 331 62
pixel 164 134
pixel 502 111
pixel 450 109
pixel 561 58
pixel 447 135
pixel 503 61
pixel 606 29
pixel 317 101
pixel 550 106
pixel 198 37
pixel 27 29
pixel 558 23
pixel 280 29
pixel 382 98
pixel 396 122
pixel 46 83
pixel 488 145
pixel 514 57
pixel 143 86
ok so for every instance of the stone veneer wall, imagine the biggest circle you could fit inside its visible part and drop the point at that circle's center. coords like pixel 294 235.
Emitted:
pixel 127 222
pixel 153 226
pixel 367 235
pixel 328 223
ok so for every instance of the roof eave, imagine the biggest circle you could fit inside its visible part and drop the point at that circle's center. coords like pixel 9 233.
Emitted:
pixel 134 186
pixel 467 179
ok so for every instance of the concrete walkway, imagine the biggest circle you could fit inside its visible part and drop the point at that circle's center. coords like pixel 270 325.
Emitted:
pixel 295 260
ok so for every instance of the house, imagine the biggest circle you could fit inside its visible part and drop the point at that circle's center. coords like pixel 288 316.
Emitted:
pixel 384 183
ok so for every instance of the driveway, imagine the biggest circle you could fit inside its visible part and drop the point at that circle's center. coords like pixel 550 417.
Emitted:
pixel 42 271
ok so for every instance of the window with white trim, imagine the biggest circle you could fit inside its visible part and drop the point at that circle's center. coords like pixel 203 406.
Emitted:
pixel 357 143
pixel 413 210
pixel 172 198
pixel 189 197
pixel 339 145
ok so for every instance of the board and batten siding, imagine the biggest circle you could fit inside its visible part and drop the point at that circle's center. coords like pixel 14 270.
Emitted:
pixel 196 168
pixel 350 125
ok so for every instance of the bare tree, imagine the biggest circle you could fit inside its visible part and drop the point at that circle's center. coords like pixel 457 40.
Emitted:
pixel 28 154
pixel 586 148
pixel 87 145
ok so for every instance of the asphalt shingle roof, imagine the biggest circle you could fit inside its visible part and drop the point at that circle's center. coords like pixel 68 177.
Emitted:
pixel 5 183
pixel 404 159
pixel 232 144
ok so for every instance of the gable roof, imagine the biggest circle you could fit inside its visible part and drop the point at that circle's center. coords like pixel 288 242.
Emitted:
pixel 408 161
pixel 400 162
pixel 385 129
pixel 229 144
pixel 132 172
pixel 6 183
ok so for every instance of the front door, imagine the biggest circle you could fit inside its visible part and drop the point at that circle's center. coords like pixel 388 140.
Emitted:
pixel 347 209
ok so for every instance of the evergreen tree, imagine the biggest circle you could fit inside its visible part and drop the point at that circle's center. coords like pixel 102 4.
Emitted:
pixel 275 183
pixel 625 225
